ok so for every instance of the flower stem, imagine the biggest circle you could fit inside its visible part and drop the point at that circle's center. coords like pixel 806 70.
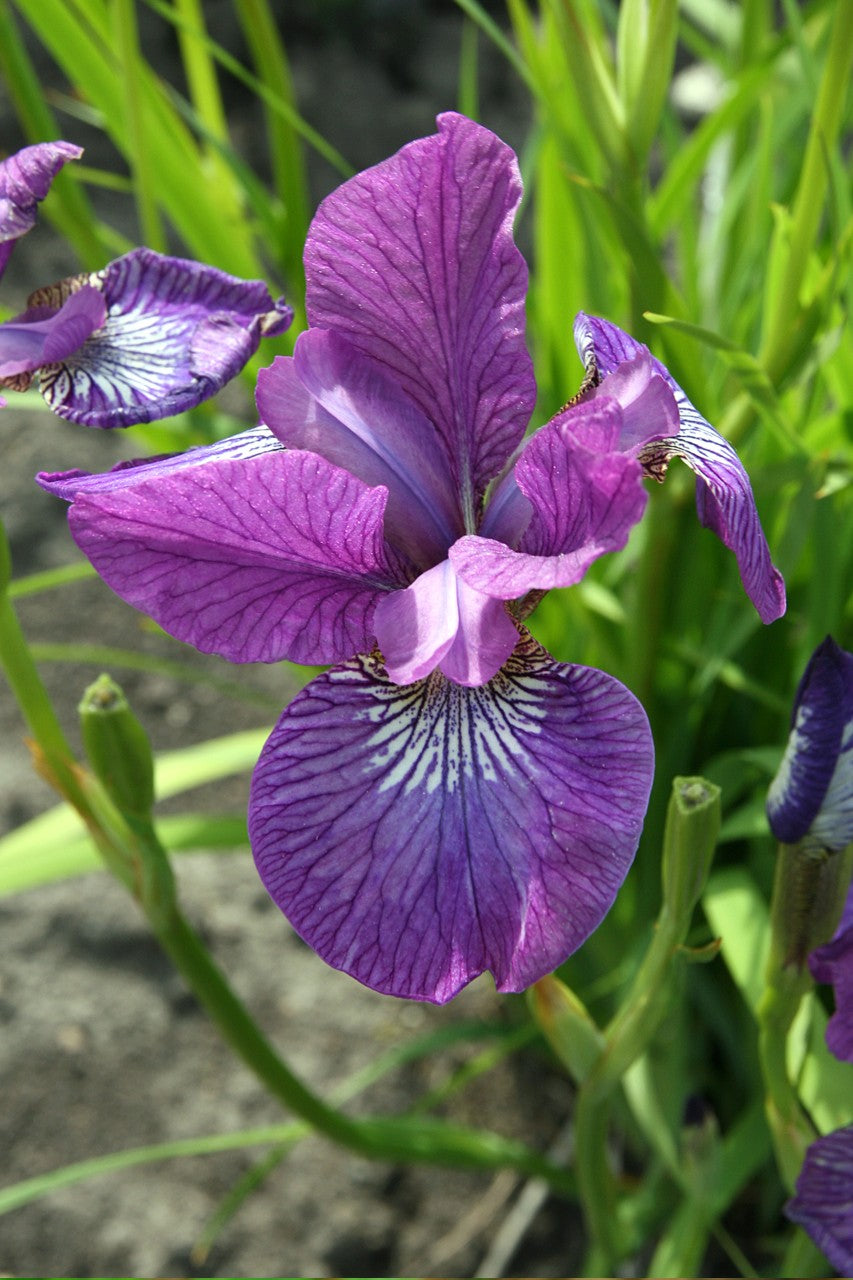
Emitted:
pixel 790 1128
pixel 627 1037
pixel 692 824
pixel 24 679
pixel 787 980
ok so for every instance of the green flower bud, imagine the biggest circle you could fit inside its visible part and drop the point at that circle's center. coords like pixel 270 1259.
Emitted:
pixel 692 826
pixel 808 897
pixel 117 747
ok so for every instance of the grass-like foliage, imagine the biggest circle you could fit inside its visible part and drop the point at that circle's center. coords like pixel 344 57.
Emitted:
pixel 685 178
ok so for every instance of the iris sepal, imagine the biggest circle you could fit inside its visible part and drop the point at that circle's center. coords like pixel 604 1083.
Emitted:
pixel 467 829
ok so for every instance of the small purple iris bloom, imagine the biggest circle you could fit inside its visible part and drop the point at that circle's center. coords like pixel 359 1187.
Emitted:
pixel 449 800
pixel 811 798
pixel 147 337
pixel 810 803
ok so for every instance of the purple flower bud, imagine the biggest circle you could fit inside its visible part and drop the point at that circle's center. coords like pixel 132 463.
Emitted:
pixel 811 798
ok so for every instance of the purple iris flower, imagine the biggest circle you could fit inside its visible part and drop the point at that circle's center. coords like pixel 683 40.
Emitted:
pixel 811 798
pixel 811 801
pixel 810 804
pixel 147 337
pixel 446 799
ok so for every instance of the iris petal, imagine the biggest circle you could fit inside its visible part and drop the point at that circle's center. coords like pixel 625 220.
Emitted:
pixel 256 558
pixel 585 499
pixel 176 331
pixel 413 261
pixel 32 340
pixel 823 1204
pixel 833 964
pixel 418 836
pixel 439 621
pixel 25 179
pixel 330 399
pixel 724 498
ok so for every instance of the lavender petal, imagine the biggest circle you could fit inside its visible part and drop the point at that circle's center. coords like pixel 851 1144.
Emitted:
pixel 439 622
pixel 833 964
pixel 336 402
pixel 25 179
pixel 256 558
pixel 812 793
pixel 586 497
pixel 413 261
pixel 33 339
pixel 416 837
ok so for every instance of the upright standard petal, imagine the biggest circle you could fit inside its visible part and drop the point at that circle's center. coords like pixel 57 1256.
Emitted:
pixel 272 554
pixel 823 1203
pixel 724 499
pixel 812 794
pixel 331 399
pixel 175 332
pixel 413 261
pixel 418 836
pixel 25 179
pixel 35 339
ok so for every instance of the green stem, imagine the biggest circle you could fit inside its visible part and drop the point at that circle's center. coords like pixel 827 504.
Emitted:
pixel 790 1128
pixel 692 824
pixel 409 1137
pixel 627 1037
pixel 30 693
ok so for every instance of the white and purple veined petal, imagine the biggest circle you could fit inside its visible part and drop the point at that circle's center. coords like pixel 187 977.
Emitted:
pixel 41 335
pixel 25 179
pixel 413 261
pixel 175 332
pixel 811 796
pixel 418 836
pixel 823 1203
pixel 244 549
pixel 724 498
